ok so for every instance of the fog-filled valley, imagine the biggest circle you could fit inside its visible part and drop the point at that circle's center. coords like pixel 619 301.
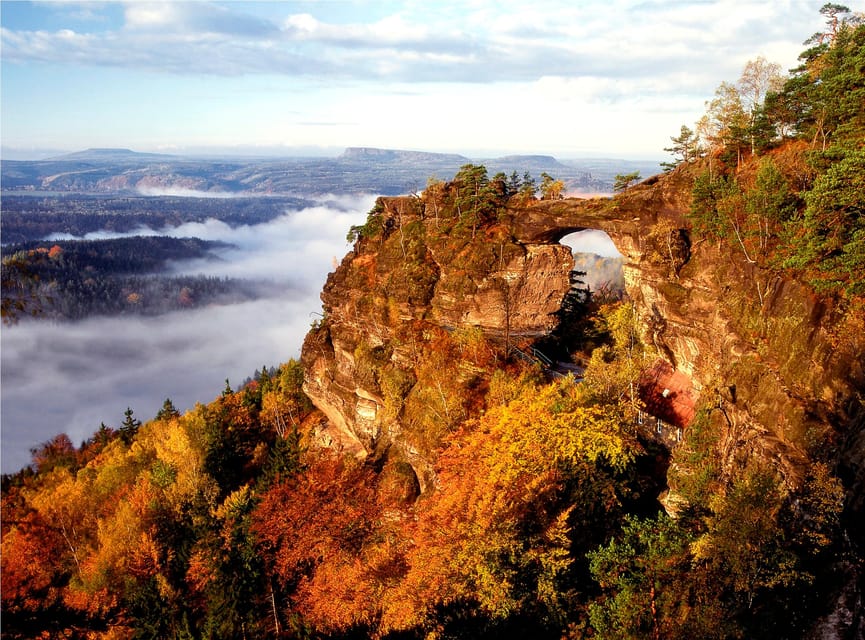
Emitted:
pixel 69 377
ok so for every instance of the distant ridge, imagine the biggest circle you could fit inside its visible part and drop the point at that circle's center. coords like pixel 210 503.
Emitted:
pixel 112 155
pixel 359 154
pixel 527 161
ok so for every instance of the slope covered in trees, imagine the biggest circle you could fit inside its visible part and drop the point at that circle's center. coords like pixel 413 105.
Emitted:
pixel 74 279
pixel 780 162
pixel 543 516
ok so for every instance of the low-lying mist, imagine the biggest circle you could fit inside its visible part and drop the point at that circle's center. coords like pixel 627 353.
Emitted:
pixel 70 377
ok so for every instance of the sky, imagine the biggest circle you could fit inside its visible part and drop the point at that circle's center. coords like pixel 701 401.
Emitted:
pixel 613 78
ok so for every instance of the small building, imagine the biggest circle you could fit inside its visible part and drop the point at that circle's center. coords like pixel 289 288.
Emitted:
pixel 669 398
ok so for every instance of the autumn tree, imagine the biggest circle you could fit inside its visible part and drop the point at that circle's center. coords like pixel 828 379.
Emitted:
pixel 551 189
pixel 309 524
pixel 725 125
pixel 503 531
pixel 614 369
pixel 759 77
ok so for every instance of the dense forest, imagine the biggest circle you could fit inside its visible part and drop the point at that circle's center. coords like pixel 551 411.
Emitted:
pixel 75 279
pixel 234 520
pixel 31 217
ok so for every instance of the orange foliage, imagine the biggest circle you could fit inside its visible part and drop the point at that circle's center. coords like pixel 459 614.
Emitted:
pixel 328 509
pixel 30 575
pixel 313 530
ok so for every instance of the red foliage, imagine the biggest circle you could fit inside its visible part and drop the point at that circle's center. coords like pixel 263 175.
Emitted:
pixel 328 510
pixel 30 571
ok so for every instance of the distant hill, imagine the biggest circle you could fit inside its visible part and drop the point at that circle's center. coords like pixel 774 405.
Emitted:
pixel 113 155
pixel 528 161
pixel 364 154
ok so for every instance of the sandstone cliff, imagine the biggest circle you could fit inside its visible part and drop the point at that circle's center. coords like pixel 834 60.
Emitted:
pixel 781 366
pixel 413 282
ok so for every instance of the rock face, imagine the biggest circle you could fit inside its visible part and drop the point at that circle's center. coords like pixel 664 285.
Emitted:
pixel 784 367
pixel 414 276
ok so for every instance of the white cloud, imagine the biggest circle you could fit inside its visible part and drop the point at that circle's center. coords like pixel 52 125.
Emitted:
pixel 488 43
pixel 618 73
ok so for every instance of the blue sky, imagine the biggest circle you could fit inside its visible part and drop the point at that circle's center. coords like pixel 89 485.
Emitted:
pixel 479 77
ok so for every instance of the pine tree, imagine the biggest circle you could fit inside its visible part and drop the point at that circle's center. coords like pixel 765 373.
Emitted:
pixel 129 427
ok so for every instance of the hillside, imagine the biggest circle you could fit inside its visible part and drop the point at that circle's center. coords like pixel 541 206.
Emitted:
pixel 473 446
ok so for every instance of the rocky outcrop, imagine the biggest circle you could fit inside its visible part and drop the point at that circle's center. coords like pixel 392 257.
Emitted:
pixel 782 366
pixel 413 275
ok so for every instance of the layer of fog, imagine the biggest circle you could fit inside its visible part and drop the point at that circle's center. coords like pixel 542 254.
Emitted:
pixel 71 377
pixel 185 192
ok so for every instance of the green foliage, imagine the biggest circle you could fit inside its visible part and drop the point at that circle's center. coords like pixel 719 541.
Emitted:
pixel 649 587
pixel 744 539
pixel 823 99
pixel 830 238
pixel 168 411
pixel 477 198
pixel 371 228
pixel 684 149
pixel 129 427
pixel 708 192
pixel 623 181
pixel 772 197
pixel 697 474
pixel 614 369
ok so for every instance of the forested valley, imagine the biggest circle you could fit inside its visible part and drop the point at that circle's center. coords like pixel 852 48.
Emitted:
pixel 75 279
pixel 549 512
pixel 35 217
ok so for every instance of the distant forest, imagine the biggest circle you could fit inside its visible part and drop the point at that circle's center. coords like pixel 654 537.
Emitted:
pixel 603 275
pixel 74 279
pixel 27 218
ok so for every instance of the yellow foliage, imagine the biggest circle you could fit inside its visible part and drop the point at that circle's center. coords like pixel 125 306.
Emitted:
pixel 501 476
pixel 173 445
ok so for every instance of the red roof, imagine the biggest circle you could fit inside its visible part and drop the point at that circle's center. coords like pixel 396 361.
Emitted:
pixel 668 394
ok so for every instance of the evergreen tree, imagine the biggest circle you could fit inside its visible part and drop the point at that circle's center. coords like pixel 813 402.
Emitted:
pixel 167 411
pixel 129 427
pixel 684 149
pixel 625 180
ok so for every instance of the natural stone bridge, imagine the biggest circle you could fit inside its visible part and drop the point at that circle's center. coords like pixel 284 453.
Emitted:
pixel 625 218
pixel 514 288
